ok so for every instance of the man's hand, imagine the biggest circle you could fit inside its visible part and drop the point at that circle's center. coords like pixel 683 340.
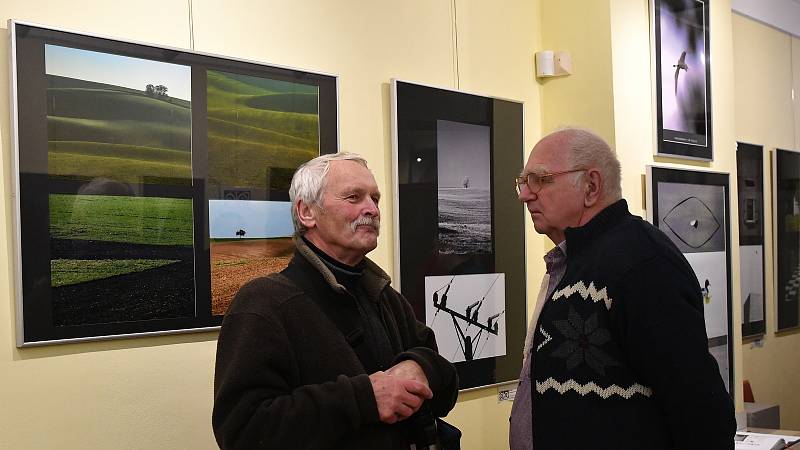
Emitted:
pixel 410 370
pixel 398 396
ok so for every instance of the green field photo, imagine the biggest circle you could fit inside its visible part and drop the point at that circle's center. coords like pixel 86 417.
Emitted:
pixel 132 220
pixel 65 272
pixel 117 117
pixel 93 237
pixel 120 258
pixel 258 127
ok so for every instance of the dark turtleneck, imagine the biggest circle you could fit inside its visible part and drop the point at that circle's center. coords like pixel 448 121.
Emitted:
pixel 349 277
pixel 345 274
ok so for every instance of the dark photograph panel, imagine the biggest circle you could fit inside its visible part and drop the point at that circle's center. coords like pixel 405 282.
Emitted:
pixel 690 207
pixel 152 182
pixel 117 117
pixel 683 63
pixel 750 183
pixel 683 71
pixel 787 219
pixel 111 254
pixel 464 197
pixel 454 151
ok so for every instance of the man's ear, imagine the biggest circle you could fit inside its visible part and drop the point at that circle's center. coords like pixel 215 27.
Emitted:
pixel 306 214
pixel 594 187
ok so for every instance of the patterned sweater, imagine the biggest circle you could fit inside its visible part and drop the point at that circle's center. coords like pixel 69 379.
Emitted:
pixel 620 356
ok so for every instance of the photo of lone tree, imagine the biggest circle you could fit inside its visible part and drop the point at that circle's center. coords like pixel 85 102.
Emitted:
pixel 259 131
pixel 117 117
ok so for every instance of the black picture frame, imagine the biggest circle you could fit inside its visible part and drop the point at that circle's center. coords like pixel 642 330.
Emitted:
pixel 455 155
pixel 786 186
pixel 115 179
pixel 682 62
pixel 750 188
pixel 688 206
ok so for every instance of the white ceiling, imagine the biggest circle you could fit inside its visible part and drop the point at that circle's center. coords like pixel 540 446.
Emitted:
pixel 781 14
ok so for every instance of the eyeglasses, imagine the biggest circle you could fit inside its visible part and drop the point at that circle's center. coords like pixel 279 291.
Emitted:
pixel 535 181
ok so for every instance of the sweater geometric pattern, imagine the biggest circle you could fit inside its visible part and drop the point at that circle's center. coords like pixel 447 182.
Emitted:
pixel 584 292
pixel 547 338
pixel 584 389
pixel 582 342
pixel 614 374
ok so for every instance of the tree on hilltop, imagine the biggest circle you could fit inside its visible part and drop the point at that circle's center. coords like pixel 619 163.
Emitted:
pixel 156 91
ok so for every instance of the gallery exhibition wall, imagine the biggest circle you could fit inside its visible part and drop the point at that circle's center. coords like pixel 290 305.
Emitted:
pixel 156 392
pixel 766 70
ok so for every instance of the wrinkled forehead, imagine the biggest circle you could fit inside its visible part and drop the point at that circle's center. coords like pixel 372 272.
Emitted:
pixel 549 155
pixel 349 175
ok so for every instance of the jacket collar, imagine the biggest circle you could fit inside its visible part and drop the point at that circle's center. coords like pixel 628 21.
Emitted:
pixel 373 281
pixel 578 238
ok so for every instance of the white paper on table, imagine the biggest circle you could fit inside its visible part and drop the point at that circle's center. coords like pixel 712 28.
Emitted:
pixel 759 441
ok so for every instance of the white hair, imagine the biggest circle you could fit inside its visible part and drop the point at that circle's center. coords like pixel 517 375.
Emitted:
pixel 308 182
pixel 585 149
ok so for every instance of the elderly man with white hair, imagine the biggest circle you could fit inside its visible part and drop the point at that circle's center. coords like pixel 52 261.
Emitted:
pixel 617 353
pixel 326 354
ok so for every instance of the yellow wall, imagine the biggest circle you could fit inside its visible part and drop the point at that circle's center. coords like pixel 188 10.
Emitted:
pixel 586 97
pixel 766 115
pixel 157 392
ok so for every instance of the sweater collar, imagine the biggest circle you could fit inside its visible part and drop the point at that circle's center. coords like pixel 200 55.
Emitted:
pixel 578 238
pixel 347 275
pixel 373 279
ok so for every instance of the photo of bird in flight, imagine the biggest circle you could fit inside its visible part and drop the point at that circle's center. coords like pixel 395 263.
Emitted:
pixel 681 65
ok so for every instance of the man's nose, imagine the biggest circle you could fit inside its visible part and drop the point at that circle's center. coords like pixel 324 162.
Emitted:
pixel 525 194
pixel 371 208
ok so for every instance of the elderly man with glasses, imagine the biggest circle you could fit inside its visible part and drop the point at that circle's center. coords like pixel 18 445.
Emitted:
pixel 617 353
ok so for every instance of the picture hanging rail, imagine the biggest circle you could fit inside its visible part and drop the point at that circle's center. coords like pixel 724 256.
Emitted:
pixel 151 182
pixel 682 66
pixel 691 208
pixel 455 155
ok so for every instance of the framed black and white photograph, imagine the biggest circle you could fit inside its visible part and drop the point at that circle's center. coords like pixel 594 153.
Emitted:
pixel 683 78
pixel 786 186
pixel 151 182
pixel 467 313
pixel 691 208
pixel 750 186
pixel 454 153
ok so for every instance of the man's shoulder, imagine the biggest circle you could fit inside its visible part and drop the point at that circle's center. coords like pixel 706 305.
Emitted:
pixel 263 294
pixel 635 240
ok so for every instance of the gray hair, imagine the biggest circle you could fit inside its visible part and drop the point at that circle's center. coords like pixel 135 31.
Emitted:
pixel 308 182
pixel 586 149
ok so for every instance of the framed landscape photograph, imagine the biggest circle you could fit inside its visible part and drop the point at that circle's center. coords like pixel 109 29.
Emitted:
pixel 750 186
pixel 691 208
pixel 786 179
pixel 454 153
pixel 682 62
pixel 151 182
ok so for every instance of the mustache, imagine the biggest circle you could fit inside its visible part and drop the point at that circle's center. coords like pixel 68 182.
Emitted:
pixel 372 221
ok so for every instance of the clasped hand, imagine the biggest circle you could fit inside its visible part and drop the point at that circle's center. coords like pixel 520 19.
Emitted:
pixel 400 391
